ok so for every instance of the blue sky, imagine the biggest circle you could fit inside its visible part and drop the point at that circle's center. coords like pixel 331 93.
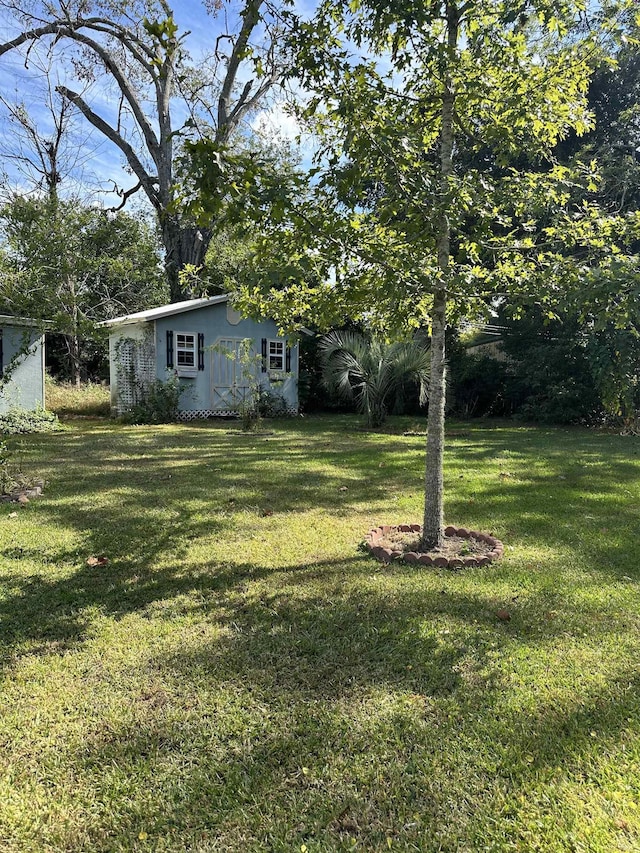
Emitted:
pixel 93 162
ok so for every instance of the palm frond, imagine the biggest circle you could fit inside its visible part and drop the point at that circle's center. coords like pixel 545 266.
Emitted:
pixel 370 371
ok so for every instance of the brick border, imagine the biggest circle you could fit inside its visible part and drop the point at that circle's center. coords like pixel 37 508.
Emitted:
pixel 387 555
pixel 22 496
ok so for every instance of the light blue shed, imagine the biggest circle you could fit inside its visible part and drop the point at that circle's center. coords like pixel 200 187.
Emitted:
pixel 200 341
pixel 21 364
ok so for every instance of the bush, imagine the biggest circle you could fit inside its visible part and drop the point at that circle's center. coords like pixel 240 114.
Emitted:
pixel 477 385
pixel 271 404
pixel 158 403
pixel 20 421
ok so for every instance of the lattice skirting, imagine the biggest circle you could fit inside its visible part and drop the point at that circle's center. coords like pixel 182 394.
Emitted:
pixel 204 414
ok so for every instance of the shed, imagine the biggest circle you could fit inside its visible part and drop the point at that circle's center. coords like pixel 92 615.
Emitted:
pixel 21 363
pixel 202 342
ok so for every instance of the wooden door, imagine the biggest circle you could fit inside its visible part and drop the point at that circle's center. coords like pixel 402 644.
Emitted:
pixel 230 384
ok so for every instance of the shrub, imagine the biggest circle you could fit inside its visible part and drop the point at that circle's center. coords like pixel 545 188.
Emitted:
pixel 20 421
pixel 7 480
pixel 271 404
pixel 372 372
pixel 158 403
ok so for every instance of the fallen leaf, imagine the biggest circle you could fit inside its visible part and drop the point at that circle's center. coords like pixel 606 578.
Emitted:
pixel 23 499
pixel 343 489
pixel 503 615
pixel 97 561
pixel 12 515
pixel 266 512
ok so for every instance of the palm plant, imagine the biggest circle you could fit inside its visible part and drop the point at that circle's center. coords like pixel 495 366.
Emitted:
pixel 371 371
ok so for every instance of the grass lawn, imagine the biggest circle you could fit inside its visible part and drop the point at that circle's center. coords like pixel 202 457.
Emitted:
pixel 240 676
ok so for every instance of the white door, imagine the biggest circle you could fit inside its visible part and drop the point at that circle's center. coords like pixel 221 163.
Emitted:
pixel 230 379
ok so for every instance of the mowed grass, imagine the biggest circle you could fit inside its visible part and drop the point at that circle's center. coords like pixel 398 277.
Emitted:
pixel 240 676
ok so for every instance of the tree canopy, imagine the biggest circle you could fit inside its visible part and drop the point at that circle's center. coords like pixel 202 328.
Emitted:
pixel 422 207
pixel 74 265
pixel 162 95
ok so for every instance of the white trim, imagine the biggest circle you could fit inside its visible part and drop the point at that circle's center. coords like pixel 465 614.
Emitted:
pixel 281 343
pixel 185 369
pixel 42 371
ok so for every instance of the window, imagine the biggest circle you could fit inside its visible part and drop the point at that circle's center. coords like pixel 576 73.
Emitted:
pixel 186 351
pixel 275 355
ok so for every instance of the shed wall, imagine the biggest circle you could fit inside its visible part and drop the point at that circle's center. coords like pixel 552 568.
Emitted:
pixel 25 389
pixel 219 323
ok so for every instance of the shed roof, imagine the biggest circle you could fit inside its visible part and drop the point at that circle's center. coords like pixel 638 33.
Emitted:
pixel 170 310
pixel 10 320
pixel 164 311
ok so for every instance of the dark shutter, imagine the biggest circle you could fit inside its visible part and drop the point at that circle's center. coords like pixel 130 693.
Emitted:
pixel 264 355
pixel 200 351
pixel 169 349
pixel 288 360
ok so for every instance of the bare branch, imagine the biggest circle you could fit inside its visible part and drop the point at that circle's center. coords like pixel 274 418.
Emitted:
pixel 32 36
pixel 124 86
pixel 250 18
pixel 148 182
pixel 124 195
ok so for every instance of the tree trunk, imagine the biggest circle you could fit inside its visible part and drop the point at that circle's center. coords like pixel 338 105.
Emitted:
pixel 184 245
pixel 73 348
pixel 433 522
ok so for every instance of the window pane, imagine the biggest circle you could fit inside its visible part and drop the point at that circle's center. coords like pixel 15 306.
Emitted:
pixel 185 350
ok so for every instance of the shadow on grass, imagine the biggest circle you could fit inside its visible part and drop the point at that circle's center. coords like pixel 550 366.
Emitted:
pixel 301 669
pixel 138 495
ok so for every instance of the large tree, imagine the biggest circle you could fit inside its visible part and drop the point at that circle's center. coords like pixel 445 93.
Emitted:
pixel 403 230
pixel 139 46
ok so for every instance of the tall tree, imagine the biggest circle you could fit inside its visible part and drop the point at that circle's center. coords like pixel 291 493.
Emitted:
pixel 401 230
pixel 139 46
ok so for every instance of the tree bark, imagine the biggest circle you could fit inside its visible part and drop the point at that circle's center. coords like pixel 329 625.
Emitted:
pixel 75 362
pixel 184 244
pixel 433 522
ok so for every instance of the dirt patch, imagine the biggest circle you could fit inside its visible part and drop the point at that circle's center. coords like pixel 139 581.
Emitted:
pixel 460 547
pixel 452 546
